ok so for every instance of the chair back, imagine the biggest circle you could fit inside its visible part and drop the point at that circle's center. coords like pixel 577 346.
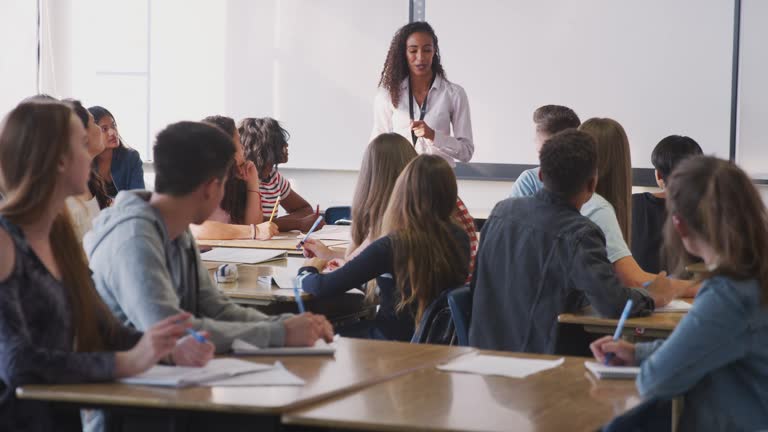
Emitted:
pixel 335 214
pixel 460 304
pixel 436 326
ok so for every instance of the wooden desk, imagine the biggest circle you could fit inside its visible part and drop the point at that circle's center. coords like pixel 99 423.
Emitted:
pixel 284 241
pixel 656 325
pixel 564 398
pixel 358 363
pixel 249 290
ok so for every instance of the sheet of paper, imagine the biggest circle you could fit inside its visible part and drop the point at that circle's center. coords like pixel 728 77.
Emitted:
pixel 497 365
pixel 240 347
pixel 675 306
pixel 331 232
pixel 180 376
pixel 602 371
pixel 277 375
pixel 242 255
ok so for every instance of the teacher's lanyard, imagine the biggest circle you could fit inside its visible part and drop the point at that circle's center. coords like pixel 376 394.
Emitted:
pixel 422 108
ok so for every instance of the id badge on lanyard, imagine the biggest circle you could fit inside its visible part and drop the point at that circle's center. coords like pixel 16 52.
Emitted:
pixel 422 108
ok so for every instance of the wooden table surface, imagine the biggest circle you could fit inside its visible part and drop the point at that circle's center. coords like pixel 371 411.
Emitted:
pixel 356 364
pixel 566 398
pixel 655 324
pixel 250 287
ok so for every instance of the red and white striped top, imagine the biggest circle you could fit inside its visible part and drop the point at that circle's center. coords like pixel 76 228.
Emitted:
pixel 466 221
pixel 276 185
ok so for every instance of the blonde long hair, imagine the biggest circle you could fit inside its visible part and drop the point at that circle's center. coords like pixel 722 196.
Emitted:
pixel 418 220
pixel 719 204
pixel 34 137
pixel 614 168
pixel 385 158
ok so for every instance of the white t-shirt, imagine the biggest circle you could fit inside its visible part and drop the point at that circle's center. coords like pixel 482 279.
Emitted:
pixel 83 213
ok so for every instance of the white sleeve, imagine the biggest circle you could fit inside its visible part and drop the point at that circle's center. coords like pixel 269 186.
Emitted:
pixel 459 146
pixel 382 113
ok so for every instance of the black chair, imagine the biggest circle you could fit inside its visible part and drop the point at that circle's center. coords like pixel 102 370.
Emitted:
pixel 334 215
pixel 460 303
pixel 436 326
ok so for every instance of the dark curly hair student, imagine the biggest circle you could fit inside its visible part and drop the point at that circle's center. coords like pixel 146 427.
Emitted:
pixel 265 143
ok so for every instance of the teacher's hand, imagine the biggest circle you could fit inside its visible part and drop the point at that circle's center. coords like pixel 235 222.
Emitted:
pixel 422 129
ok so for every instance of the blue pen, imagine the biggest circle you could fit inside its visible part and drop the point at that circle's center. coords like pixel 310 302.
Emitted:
pixel 198 337
pixel 619 328
pixel 314 225
pixel 299 301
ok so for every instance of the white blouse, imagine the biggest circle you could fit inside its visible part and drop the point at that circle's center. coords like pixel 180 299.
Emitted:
pixel 447 106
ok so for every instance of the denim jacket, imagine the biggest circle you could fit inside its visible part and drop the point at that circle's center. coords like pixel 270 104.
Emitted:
pixel 127 171
pixel 717 357
pixel 538 258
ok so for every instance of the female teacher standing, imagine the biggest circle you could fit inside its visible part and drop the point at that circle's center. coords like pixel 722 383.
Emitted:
pixel 417 101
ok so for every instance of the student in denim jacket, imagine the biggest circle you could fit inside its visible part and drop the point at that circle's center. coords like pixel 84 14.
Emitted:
pixel 717 357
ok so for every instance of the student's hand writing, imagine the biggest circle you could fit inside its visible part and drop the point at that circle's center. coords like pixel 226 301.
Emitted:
pixel 305 329
pixel 306 222
pixel 421 129
pixel 190 352
pixel 266 230
pixel 661 290
pixel 623 351
pixel 315 262
pixel 316 248
pixel 157 342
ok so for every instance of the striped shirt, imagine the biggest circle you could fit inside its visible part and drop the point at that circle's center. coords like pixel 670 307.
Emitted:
pixel 466 221
pixel 275 185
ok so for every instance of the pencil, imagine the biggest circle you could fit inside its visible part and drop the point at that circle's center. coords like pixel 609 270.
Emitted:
pixel 274 210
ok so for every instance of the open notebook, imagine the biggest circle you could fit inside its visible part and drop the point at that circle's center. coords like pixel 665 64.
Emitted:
pixel 602 371
pixel 181 376
pixel 242 255
pixel 240 347
pixel 675 306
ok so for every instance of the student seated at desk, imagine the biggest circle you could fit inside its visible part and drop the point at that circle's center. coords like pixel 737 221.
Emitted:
pixel 717 357
pixel 84 208
pixel 615 173
pixel 266 145
pixel 119 165
pixel 159 272
pixel 54 328
pixel 384 159
pixel 239 215
pixel 421 254
pixel 539 257
pixel 648 213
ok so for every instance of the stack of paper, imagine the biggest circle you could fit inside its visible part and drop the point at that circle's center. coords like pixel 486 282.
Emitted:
pixel 241 347
pixel 181 376
pixel 497 365
pixel 675 306
pixel 602 371
pixel 242 255
pixel 217 373
pixel 331 232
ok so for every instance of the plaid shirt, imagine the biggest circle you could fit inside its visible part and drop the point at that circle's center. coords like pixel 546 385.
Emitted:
pixel 466 221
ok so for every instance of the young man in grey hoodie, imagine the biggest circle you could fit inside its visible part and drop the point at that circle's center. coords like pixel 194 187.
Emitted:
pixel 146 264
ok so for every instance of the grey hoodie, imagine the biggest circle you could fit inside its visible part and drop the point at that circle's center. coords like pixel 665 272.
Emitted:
pixel 144 277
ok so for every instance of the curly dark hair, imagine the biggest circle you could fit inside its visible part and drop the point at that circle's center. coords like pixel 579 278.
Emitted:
pixel 264 141
pixel 396 66
pixel 236 189
pixel 568 160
